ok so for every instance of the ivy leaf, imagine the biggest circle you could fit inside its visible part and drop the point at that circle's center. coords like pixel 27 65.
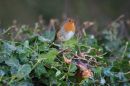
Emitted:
pixel 97 71
pixel 70 43
pixel 40 69
pixel 26 44
pixel 50 56
pixel 20 49
pixel 50 34
pixel 13 62
pixel 24 70
pixel 8 47
pixel 91 41
pixel 3 57
pixel 2 73
pixel 42 39
pixel 102 81
pixel 58 72
pixel 24 83
pixel 107 71
pixel 73 68
pixel 121 76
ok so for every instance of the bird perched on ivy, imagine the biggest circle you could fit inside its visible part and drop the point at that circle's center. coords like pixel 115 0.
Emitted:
pixel 67 30
pixel 64 32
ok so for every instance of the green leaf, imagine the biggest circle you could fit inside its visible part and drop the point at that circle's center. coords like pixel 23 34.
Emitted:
pixel 43 47
pixel 20 49
pixel 58 72
pixel 70 43
pixel 107 71
pixel 50 34
pixel 42 39
pixel 98 71
pixel 13 62
pixel 26 44
pixel 50 56
pixel 24 70
pixel 91 40
pixel 23 83
pixel 3 56
pixel 8 48
pixel 102 81
pixel 121 76
pixel 40 69
pixel 2 73
pixel 73 68
pixel 13 70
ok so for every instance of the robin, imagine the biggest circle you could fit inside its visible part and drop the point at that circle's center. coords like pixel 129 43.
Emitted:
pixel 67 31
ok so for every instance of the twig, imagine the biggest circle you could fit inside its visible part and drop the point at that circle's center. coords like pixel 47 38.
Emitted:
pixel 18 33
pixel 123 54
pixel 127 73
pixel 119 18
pixel 6 31
pixel 116 20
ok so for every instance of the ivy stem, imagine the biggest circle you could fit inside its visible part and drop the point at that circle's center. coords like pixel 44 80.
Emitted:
pixel 68 72
pixel 6 31
pixel 18 33
pixel 1 78
pixel 123 54
pixel 36 64
pixel 11 80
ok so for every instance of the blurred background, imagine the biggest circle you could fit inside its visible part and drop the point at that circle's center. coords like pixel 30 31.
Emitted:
pixel 27 11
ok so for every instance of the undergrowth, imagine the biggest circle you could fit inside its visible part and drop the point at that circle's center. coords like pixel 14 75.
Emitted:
pixel 33 59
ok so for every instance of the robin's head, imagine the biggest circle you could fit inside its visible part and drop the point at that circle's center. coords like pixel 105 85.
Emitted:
pixel 69 25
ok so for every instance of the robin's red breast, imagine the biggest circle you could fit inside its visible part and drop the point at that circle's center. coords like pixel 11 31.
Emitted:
pixel 67 31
